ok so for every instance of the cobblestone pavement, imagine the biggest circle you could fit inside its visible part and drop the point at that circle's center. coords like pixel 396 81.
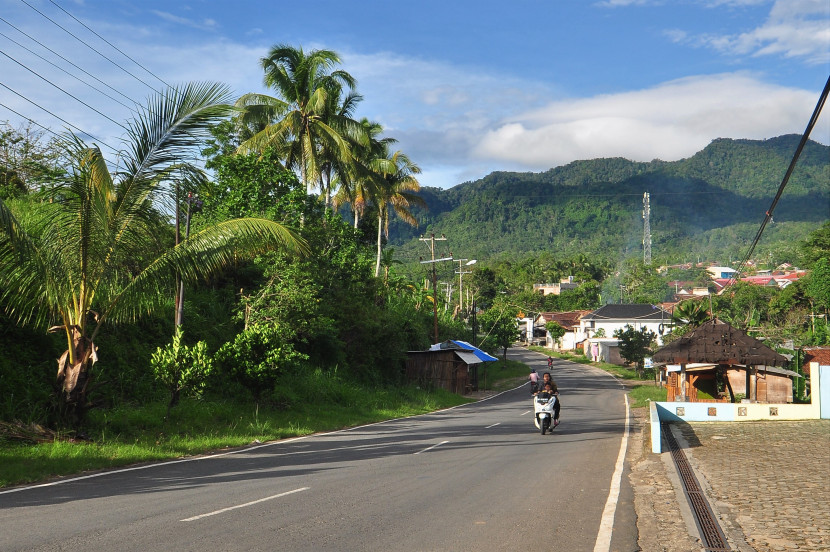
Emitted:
pixel 768 483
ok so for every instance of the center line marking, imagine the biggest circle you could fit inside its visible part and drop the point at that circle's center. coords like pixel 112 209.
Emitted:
pixel 523 413
pixel 494 425
pixel 432 447
pixel 194 518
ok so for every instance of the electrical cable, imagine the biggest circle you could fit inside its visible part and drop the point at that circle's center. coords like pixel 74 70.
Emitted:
pixel 59 68
pixel 110 43
pixel 64 91
pixel 58 117
pixel 84 71
pixel 47 129
pixel 784 181
pixel 88 46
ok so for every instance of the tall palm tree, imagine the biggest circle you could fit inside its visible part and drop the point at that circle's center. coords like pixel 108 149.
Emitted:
pixel 302 123
pixel 83 266
pixel 357 177
pixel 395 186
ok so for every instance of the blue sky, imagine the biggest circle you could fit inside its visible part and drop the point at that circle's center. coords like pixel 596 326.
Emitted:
pixel 466 87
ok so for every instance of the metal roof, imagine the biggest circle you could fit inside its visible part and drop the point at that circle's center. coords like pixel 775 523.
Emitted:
pixel 634 311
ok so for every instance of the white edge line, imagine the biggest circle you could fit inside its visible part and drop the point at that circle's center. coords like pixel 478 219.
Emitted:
pixel 194 518
pixel 603 543
pixel 207 456
pixel 432 447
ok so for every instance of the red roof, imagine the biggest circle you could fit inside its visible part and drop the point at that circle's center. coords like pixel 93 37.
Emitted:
pixel 565 319
pixel 815 354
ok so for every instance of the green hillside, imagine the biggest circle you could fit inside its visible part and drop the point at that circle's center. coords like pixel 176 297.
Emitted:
pixel 709 205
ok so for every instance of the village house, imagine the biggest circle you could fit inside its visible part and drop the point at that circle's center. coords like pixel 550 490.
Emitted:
pixel 558 288
pixel 573 337
pixel 599 326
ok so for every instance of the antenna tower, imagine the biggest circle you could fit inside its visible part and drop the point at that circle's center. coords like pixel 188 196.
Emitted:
pixel 646 230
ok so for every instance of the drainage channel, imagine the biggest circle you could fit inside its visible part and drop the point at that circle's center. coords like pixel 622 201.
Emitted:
pixel 713 537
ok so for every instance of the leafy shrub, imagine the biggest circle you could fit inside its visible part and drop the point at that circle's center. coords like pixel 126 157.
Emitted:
pixel 181 367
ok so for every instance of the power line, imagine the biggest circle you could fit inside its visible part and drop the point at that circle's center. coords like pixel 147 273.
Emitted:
pixel 784 181
pixel 84 71
pixel 62 90
pixel 88 46
pixel 47 129
pixel 110 43
pixel 59 68
pixel 58 117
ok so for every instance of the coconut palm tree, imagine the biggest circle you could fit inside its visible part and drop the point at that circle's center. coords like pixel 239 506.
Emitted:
pixel 357 177
pixel 87 262
pixel 395 186
pixel 308 122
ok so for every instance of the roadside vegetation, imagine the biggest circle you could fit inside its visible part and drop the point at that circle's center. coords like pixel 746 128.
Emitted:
pixel 191 311
pixel 132 434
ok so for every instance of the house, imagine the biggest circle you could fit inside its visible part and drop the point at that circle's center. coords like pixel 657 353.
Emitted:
pixel 815 355
pixel 716 355
pixel 570 321
pixel 451 365
pixel 721 272
pixel 599 326
pixel 558 288
pixel 611 318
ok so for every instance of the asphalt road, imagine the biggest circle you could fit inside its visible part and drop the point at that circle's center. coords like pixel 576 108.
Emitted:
pixel 476 477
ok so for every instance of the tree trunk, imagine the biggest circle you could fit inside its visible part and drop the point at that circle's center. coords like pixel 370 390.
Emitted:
pixel 380 243
pixel 73 374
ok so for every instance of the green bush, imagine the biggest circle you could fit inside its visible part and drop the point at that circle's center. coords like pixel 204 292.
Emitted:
pixel 181 367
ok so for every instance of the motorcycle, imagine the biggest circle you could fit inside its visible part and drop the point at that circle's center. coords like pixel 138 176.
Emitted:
pixel 534 387
pixel 543 404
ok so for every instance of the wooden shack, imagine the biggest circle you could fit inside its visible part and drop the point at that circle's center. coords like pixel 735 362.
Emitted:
pixel 449 365
pixel 717 352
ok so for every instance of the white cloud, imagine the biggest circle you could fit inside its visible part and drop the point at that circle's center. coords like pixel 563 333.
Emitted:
pixel 670 121
pixel 205 24
pixel 794 29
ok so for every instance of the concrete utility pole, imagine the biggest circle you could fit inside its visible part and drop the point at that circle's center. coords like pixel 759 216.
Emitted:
pixel 461 272
pixel 430 241
pixel 646 230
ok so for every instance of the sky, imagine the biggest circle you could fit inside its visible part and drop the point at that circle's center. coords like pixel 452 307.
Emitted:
pixel 466 87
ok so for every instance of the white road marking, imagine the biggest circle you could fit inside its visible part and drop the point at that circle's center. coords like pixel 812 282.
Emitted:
pixel 523 413
pixel 432 447
pixel 194 518
pixel 494 425
pixel 603 543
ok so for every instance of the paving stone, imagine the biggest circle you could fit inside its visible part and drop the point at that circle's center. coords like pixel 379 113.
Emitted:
pixel 769 482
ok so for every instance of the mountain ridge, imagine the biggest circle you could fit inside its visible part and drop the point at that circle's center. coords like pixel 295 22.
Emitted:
pixel 710 203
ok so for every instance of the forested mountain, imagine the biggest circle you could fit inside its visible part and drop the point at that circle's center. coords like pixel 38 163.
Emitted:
pixel 709 206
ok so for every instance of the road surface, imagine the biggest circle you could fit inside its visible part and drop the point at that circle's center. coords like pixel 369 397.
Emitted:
pixel 476 477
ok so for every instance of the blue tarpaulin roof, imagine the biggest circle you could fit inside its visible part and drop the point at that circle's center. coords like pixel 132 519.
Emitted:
pixel 476 351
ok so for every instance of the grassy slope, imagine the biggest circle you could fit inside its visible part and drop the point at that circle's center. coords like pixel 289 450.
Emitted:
pixel 136 434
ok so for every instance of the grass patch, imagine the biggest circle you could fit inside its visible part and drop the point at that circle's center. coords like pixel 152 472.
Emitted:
pixel 501 375
pixel 130 435
pixel 641 394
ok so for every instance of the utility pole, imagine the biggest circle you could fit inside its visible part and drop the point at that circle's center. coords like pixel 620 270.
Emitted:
pixel 461 272
pixel 646 230
pixel 430 241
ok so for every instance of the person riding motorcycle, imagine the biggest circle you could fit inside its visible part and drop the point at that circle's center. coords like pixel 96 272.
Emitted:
pixel 534 381
pixel 549 386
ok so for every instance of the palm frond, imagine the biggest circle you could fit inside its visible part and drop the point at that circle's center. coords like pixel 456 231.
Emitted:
pixel 204 253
